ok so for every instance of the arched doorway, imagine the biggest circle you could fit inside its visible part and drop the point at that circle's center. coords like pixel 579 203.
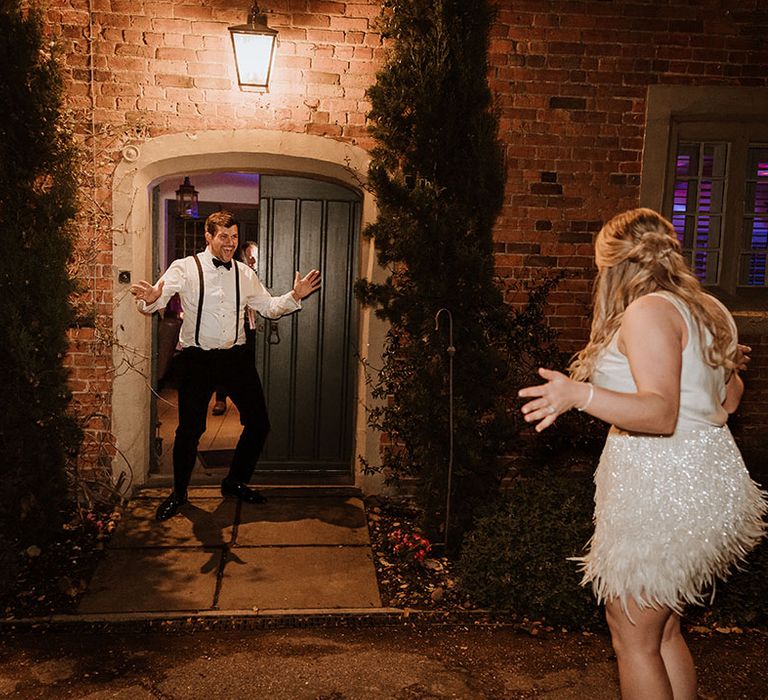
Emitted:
pixel 307 361
pixel 255 151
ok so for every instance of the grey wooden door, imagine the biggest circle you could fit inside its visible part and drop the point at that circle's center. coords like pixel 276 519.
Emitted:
pixel 307 360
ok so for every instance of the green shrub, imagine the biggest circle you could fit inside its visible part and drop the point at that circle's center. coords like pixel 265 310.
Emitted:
pixel 743 598
pixel 38 186
pixel 516 557
pixel 437 171
pixel 8 566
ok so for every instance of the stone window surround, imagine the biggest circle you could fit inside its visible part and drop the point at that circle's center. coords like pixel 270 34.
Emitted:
pixel 668 104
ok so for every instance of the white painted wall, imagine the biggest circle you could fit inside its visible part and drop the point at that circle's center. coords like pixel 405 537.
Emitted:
pixel 222 187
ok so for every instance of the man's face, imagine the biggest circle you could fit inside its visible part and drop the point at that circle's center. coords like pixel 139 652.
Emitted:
pixel 251 256
pixel 223 242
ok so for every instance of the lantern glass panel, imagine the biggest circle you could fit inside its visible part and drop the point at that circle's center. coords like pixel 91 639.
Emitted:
pixel 254 58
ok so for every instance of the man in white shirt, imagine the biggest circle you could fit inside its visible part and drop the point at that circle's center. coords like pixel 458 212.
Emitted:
pixel 215 290
pixel 248 252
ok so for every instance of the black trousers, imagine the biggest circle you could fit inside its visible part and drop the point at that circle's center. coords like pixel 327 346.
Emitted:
pixel 250 343
pixel 200 372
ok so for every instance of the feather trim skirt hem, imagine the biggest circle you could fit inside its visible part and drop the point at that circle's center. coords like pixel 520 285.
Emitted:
pixel 672 514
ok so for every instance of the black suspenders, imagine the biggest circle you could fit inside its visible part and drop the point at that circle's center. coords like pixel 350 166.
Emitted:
pixel 237 300
pixel 199 300
pixel 201 296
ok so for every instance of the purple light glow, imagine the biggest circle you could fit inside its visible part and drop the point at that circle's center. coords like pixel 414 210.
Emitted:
pixel 700 264
pixel 697 205
pixel 681 196
pixel 760 232
pixel 757 229
pixel 761 198
pixel 756 273
pixel 702 232
pixel 707 164
pixel 683 164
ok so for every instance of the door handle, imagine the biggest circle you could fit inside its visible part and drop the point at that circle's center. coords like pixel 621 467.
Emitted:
pixel 274 333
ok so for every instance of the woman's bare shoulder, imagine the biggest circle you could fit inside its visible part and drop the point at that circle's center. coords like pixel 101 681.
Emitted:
pixel 652 316
pixel 652 304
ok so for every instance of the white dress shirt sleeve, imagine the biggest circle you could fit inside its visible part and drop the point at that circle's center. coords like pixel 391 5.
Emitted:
pixel 260 300
pixel 173 279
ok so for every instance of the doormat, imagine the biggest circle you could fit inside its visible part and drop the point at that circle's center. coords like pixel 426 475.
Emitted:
pixel 215 459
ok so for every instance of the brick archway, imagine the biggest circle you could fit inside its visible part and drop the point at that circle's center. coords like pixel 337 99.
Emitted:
pixel 187 153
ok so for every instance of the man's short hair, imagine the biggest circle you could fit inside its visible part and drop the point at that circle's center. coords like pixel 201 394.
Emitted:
pixel 225 219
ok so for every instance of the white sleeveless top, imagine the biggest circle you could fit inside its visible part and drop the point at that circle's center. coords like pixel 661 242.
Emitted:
pixel 702 388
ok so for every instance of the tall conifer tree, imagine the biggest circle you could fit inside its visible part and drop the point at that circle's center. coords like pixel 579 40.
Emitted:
pixel 438 175
pixel 37 204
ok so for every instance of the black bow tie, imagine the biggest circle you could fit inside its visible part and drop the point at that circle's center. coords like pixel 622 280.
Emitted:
pixel 221 263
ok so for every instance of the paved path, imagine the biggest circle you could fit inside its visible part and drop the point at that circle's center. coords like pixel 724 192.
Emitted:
pixel 304 552
pixel 305 549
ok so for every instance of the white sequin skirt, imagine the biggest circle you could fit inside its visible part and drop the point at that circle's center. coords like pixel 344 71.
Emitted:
pixel 671 515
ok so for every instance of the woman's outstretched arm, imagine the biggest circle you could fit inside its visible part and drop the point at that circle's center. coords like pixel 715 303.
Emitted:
pixel 652 336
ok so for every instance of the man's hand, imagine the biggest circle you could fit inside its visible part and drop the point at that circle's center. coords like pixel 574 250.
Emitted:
pixel 304 286
pixel 146 292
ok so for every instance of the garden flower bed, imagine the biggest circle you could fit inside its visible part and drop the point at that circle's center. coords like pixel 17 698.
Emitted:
pixel 49 578
pixel 412 572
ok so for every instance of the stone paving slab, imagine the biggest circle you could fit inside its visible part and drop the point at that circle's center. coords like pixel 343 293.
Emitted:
pixel 194 493
pixel 266 578
pixel 143 580
pixel 201 522
pixel 302 550
pixel 328 520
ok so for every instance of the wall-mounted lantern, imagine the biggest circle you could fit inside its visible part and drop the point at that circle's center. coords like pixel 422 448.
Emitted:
pixel 186 200
pixel 254 45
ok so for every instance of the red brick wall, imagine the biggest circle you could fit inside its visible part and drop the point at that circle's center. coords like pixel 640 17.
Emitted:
pixel 571 84
pixel 168 66
pixel 571 81
pixel 570 77
pixel 748 424
pixel 143 68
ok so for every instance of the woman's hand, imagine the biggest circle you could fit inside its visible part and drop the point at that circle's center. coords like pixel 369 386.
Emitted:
pixel 558 395
pixel 304 286
pixel 742 358
pixel 734 386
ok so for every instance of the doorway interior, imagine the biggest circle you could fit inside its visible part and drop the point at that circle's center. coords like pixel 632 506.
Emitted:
pixel 307 361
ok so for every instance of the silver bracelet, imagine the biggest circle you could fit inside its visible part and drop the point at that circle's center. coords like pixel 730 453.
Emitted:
pixel 589 398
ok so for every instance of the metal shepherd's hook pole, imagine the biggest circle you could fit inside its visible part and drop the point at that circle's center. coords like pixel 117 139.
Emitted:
pixel 451 352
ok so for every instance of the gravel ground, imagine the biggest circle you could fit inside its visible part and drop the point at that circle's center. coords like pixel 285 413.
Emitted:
pixel 400 662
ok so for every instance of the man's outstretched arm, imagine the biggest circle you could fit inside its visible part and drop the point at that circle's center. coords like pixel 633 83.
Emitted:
pixel 153 297
pixel 146 292
pixel 304 286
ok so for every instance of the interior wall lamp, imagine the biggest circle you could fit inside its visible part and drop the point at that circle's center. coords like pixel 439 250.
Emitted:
pixel 186 200
pixel 254 45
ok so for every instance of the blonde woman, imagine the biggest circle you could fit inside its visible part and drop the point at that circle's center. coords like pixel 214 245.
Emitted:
pixel 674 505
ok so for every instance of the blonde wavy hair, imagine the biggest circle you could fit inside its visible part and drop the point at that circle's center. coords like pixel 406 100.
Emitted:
pixel 637 253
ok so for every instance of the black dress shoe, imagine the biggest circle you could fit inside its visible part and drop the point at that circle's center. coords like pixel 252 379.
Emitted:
pixel 170 506
pixel 241 491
